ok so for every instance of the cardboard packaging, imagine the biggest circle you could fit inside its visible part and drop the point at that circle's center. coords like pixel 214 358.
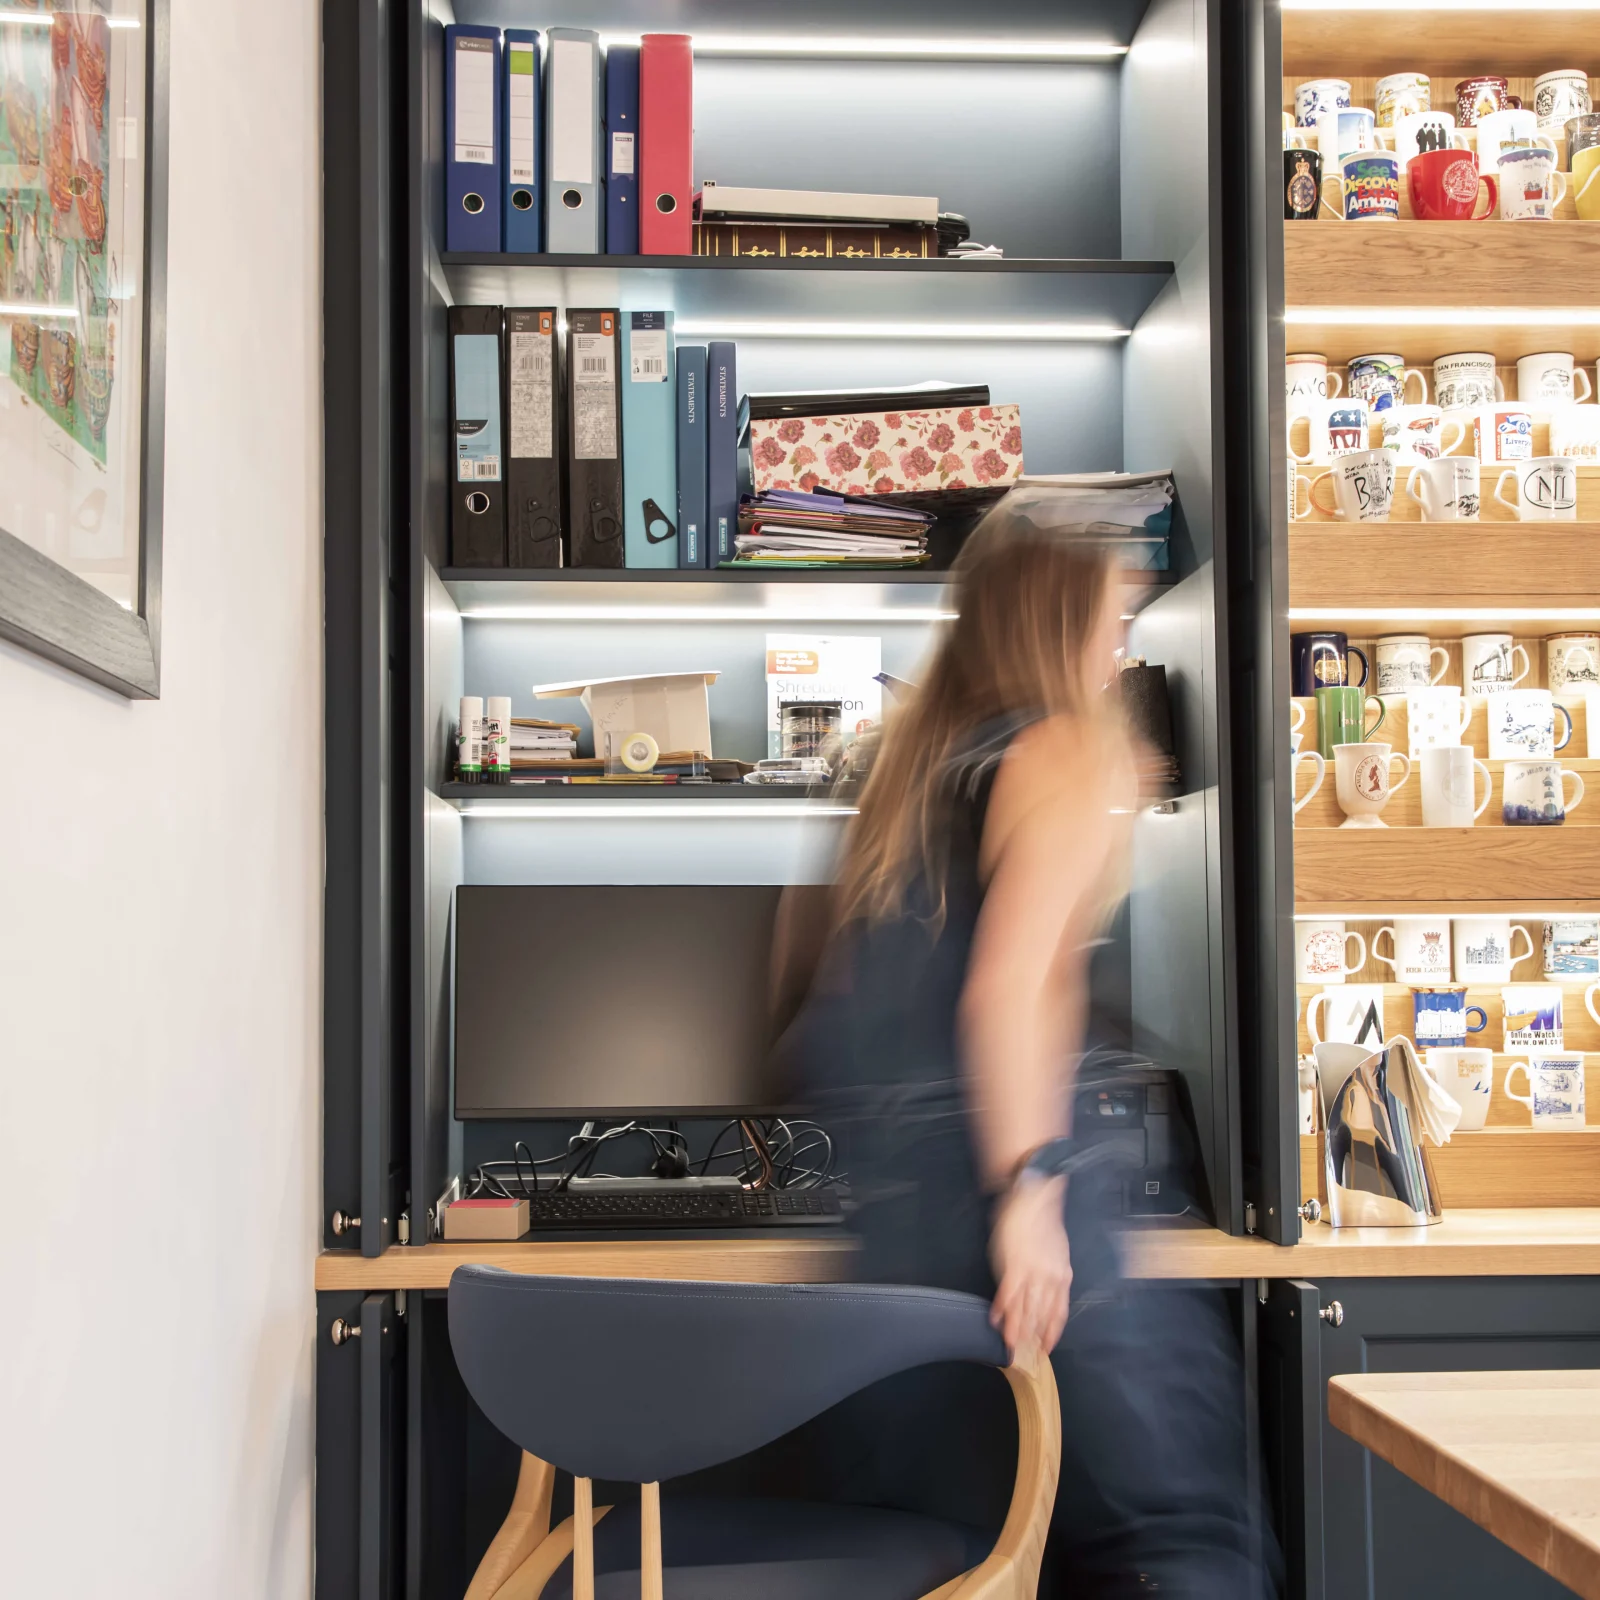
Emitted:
pixel 473 1221
pixel 671 707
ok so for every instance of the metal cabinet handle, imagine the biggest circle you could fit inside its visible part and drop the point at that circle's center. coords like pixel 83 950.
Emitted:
pixel 344 1223
pixel 1333 1312
pixel 1311 1211
pixel 341 1331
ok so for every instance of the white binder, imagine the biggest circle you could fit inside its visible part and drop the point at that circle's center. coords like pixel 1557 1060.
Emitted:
pixel 573 196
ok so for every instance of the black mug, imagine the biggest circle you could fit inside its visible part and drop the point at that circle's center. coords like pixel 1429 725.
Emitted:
pixel 1302 184
pixel 1321 661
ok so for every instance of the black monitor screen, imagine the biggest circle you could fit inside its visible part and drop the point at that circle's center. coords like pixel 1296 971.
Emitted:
pixel 598 1000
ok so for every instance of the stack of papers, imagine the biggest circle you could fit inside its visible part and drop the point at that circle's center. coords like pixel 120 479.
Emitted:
pixel 535 740
pixel 1129 512
pixel 789 528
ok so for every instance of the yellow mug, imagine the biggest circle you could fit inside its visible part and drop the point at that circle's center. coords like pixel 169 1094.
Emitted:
pixel 1586 182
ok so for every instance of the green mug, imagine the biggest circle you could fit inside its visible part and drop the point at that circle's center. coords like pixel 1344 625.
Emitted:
pixel 1342 718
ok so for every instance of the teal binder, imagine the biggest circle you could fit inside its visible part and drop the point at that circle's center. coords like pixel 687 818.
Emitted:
pixel 649 440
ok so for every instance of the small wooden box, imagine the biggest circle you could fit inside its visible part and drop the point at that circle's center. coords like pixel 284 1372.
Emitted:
pixel 474 1221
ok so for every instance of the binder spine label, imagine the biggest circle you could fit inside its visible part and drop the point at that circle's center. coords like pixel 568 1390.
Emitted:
pixel 520 154
pixel 532 390
pixel 622 155
pixel 473 134
pixel 477 363
pixel 594 423
pixel 572 111
pixel 647 352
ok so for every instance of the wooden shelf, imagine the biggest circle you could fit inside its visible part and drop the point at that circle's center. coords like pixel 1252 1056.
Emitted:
pixel 1423 342
pixel 555 796
pixel 1427 564
pixel 1442 264
pixel 1444 41
pixel 1404 810
pixel 1373 871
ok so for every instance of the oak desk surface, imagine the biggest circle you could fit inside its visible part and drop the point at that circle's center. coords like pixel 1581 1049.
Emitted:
pixel 1518 1452
pixel 1464 1244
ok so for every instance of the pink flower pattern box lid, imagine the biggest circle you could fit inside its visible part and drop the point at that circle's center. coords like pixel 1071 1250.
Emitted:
pixel 889 452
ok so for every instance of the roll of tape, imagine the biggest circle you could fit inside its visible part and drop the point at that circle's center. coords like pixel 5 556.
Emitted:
pixel 640 752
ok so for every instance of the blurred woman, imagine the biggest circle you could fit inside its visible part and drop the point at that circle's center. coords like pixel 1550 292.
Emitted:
pixel 938 1039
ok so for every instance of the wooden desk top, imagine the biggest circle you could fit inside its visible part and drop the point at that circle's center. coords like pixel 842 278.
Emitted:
pixel 1518 1452
pixel 1553 1243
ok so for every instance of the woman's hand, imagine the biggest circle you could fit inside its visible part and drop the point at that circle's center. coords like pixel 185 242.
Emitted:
pixel 1032 1263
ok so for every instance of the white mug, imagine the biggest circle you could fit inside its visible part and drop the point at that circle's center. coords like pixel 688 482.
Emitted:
pixel 1572 663
pixel 1533 794
pixel 1485 948
pixel 1319 952
pixel 1420 432
pixel 1502 433
pixel 1404 661
pixel 1363 783
pixel 1531 1014
pixel 1449 776
pixel 1297 715
pixel 1310 1095
pixel 1363 486
pixel 1547 489
pixel 1531 185
pixel 1420 946
pixel 1419 131
pixel 1489 663
pixel 1401 94
pixel 1337 427
pixel 1589 999
pixel 1552 378
pixel 1503 131
pixel 1447 490
pixel 1466 1074
pixel 1555 1089
pixel 1560 96
pixel 1522 725
pixel 1572 948
pixel 1353 1013
pixel 1295 758
pixel 1575 431
pixel 1345 131
pixel 1317 96
pixel 1297 478
pixel 1466 380
pixel 1307 379
pixel 1435 715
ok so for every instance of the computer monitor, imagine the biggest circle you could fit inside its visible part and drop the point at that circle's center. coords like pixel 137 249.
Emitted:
pixel 613 1000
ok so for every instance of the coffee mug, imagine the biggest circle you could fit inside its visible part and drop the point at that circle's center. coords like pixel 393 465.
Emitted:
pixel 1575 431
pixel 1320 95
pixel 1547 489
pixel 1336 427
pixel 1586 180
pixel 1368 185
pixel 1420 433
pixel 1572 663
pixel 1555 1089
pixel 1449 776
pixel 1436 715
pixel 1346 131
pixel 1302 183
pixel 1441 1016
pixel 1423 133
pixel 1405 661
pixel 1481 97
pixel 1560 96
pixel 1467 1076
pixel 1489 663
pixel 1297 481
pixel 1363 486
pixel 1419 949
pixel 1322 661
pixel 1522 725
pixel 1552 378
pixel 1296 757
pixel 1341 719
pixel 1583 133
pixel 1485 948
pixel 1307 379
pixel 1531 185
pixel 1532 1016
pixel 1319 952
pixel 1503 131
pixel 1572 948
pixel 1401 94
pixel 1381 378
pixel 1363 781
pixel 1310 1095
pixel 1446 186
pixel 1353 1013
pixel 1502 433
pixel 1533 794
pixel 1466 380
pixel 1447 490
pixel 1589 995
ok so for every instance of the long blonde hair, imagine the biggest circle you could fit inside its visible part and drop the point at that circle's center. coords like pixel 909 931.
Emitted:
pixel 1027 603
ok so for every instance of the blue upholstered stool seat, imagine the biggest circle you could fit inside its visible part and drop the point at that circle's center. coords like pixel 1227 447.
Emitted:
pixel 778 1550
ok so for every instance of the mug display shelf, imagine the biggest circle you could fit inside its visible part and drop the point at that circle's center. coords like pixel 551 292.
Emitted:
pixel 1515 565
pixel 1441 265
pixel 1404 810
pixel 1580 1032
pixel 1444 41
pixel 1108 292
pixel 1371 872
pixel 1358 327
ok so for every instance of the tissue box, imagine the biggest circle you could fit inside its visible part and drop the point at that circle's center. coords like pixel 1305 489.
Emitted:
pixel 889 452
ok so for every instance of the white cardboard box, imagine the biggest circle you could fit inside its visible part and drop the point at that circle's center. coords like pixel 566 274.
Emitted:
pixel 671 707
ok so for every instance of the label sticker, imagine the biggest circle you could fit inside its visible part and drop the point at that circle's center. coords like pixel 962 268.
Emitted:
pixel 532 398
pixel 647 355
pixel 477 359
pixel 474 130
pixel 594 423
pixel 519 113
pixel 622 154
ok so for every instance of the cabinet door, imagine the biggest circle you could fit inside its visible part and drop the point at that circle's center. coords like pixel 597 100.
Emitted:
pixel 1291 1425
pixel 1386 1537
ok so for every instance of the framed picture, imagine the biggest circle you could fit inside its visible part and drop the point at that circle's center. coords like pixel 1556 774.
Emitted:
pixel 83 232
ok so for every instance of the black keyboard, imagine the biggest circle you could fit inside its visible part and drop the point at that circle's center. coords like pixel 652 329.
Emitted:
pixel 689 1208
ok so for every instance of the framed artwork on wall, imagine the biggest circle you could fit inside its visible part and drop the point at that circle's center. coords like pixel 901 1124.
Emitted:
pixel 83 224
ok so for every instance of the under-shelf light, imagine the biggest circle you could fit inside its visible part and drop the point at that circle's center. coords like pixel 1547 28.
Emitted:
pixel 920 332
pixel 894 49
pixel 46 19
pixel 1442 317
pixel 1511 8
pixel 1444 613
pixel 690 810
pixel 20 308
pixel 532 612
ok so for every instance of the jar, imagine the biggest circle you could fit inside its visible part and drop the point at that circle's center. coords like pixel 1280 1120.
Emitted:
pixel 804 726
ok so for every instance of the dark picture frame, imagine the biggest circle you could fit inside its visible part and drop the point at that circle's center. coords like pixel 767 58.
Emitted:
pixel 46 608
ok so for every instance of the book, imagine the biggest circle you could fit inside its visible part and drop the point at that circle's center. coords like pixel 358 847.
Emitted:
pixel 722 451
pixel 813 241
pixel 714 200
pixel 691 455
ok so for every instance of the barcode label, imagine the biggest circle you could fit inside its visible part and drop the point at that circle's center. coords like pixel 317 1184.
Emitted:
pixel 647 355
pixel 532 408
pixel 489 467
pixel 596 364
pixel 622 155
pixel 470 468
pixel 594 432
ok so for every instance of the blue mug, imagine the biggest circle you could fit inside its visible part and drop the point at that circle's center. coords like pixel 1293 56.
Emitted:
pixel 1442 1017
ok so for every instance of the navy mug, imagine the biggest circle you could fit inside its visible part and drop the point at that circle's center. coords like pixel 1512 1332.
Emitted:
pixel 1322 661
pixel 1442 1017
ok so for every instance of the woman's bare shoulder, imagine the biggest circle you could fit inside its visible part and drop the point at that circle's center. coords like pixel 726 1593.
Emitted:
pixel 1061 773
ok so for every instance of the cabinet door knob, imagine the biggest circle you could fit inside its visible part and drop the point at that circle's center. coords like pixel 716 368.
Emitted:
pixel 344 1223
pixel 341 1331
pixel 1333 1312
pixel 1311 1211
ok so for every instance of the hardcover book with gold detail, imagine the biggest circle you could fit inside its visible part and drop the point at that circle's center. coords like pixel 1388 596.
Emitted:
pixel 815 241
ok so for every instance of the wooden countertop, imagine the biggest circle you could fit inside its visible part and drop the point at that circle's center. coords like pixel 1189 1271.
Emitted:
pixel 1518 1452
pixel 1552 1243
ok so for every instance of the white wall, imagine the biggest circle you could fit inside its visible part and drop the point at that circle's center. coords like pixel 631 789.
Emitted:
pixel 160 938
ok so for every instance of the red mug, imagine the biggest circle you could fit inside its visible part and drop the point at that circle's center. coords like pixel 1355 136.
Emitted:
pixel 1446 185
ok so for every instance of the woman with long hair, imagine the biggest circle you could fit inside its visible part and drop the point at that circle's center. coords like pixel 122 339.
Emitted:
pixel 945 1009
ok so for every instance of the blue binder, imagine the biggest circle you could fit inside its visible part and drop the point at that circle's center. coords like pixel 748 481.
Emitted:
pixel 691 455
pixel 622 150
pixel 649 440
pixel 473 156
pixel 520 127
pixel 722 451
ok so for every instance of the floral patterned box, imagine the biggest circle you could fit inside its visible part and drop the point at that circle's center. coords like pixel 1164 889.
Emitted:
pixel 889 452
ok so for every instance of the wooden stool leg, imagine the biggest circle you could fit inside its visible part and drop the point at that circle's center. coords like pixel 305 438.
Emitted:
pixel 582 1539
pixel 650 1579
